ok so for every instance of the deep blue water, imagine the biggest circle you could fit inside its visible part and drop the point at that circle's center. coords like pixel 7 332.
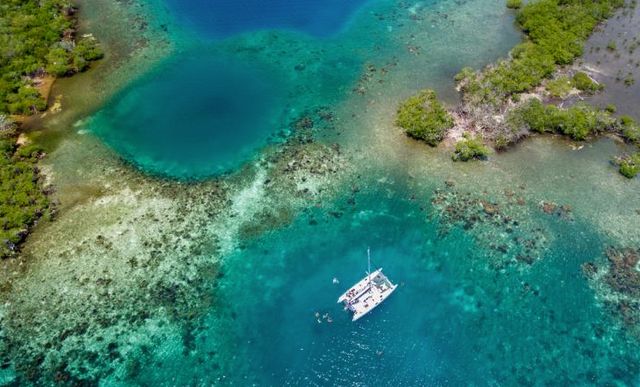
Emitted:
pixel 224 18
pixel 209 109
pixel 195 116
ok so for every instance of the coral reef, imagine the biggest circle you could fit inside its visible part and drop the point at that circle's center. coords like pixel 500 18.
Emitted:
pixel 617 285
pixel 503 227
pixel 122 286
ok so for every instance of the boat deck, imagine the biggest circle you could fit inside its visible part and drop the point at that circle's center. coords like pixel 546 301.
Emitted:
pixel 367 294
pixel 358 288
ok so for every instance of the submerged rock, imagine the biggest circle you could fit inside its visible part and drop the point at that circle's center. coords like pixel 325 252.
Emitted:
pixel 548 207
pixel 503 227
pixel 624 273
pixel 616 282
pixel 562 211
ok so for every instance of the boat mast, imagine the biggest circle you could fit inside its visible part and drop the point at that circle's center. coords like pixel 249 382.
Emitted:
pixel 369 265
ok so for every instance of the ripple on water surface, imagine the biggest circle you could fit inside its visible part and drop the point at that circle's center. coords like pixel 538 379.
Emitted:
pixel 194 117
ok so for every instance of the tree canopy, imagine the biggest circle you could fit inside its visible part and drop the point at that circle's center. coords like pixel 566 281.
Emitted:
pixel 38 37
pixel 423 117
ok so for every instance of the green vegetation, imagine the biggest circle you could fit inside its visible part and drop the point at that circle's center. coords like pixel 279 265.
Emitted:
pixel 469 148
pixel 24 100
pixel 556 31
pixel 629 80
pixel 423 117
pixel 583 82
pixel 22 200
pixel 629 165
pixel 578 122
pixel 611 108
pixel 630 129
pixel 514 4
pixel 559 87
pixel 37 36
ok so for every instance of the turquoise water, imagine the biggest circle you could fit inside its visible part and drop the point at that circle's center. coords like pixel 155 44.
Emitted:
pixel 463 314
pixel 454 319
pixel 184 128
pixel 483 299
pixel 213 105
pixel 197 115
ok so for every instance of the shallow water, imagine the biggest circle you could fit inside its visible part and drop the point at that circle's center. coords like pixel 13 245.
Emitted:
pixel 165 283
pixel 287 74
pixel 212 105
pixel 615 68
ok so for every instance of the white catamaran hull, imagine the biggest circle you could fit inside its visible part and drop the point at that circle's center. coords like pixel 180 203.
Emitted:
pixel 367 294
pixel 358 288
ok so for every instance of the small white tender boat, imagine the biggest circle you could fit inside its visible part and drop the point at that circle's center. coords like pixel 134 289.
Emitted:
pixel 368 293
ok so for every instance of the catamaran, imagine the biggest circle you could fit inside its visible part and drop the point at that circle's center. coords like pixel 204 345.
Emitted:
pixel 368 293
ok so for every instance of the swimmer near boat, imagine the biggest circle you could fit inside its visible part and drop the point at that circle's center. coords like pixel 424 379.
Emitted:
pixel 368 293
